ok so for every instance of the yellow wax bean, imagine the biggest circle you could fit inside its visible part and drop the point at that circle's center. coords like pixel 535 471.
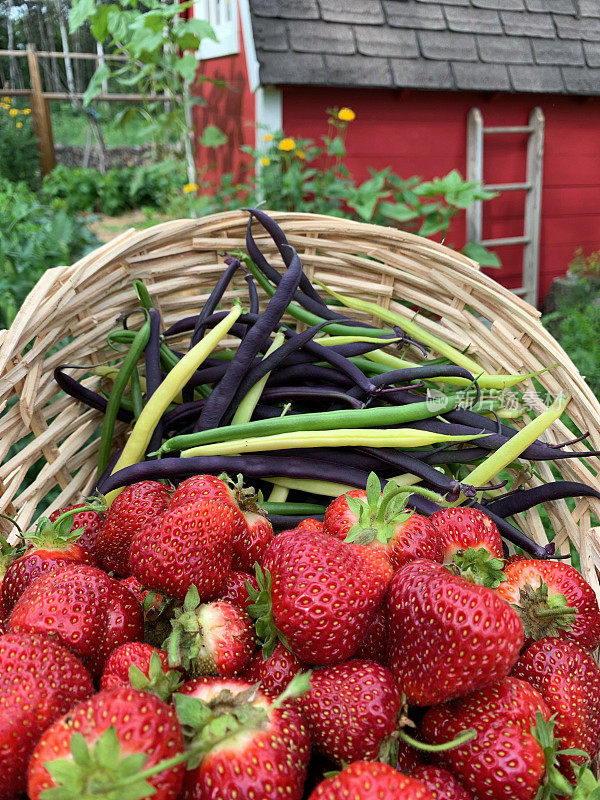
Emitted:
pixel 349 437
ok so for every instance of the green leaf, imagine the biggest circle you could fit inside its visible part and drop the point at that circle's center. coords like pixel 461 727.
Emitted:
pixel 187 66
pixel 95 85
pixel 479 253
pixel 373 489
pixel 79 750
pixel 398 211
pixel 64 771
pixel 99 21
pixel 201 28
pixel 132 764
pixel 191 711
pixel 107 749
pixel 213 136
pixel 80 11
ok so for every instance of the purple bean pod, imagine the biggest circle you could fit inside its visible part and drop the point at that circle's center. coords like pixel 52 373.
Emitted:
pixel 84 395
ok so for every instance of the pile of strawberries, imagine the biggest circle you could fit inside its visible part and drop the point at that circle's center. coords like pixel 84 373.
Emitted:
pixel 173 646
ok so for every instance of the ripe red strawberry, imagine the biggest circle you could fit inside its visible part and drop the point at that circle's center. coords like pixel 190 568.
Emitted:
pixel 273 674
pixel 201 487
pixel 441 783
pixel 407 758
pixel 568 678
pixel 136 507
pixel 150 671
pixel 251 542
pixel 260 750
pixel 381 521
pixel 447 636
pixel 236 591
pixel 339 518
pixel 318 595
pixel 8 554
pixel 89 522
pixel 374 645
pixel 39 681
pixel 471 545
pixel 461 528
pixel 108 738
pixel 210 638
pixel 310 524
pixel 82 608
pixel 252 531
pixel 367 780
pixel 553 599
pixel 351 709
pixel 52 547
pixel 509 699
pixel 503 761
pixel 191 544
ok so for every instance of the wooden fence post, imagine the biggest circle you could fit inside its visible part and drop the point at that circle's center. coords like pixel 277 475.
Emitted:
pixel 42 124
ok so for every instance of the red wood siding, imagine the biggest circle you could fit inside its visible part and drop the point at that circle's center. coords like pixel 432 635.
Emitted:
pixel 424 133
pixel 230 108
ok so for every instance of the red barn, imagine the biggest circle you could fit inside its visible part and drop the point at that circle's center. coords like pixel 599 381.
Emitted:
pixel 505 90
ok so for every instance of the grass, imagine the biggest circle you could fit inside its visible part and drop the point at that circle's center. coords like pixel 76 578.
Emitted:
pixel 70 126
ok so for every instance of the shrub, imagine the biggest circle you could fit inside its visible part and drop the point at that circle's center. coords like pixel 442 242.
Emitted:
pixel 18 153
pixel 80 190
pixel 576 325
pixel 33 237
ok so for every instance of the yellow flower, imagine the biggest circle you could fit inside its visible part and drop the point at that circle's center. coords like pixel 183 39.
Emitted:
pixel 268 137
pixel 346 114
pixel 27 111
pixel 300 154
pixel 190 187
pixel 287 144
pixel 5 100
pixel 13 112
pixel 19 124
pixel 4 105
pixel 265 161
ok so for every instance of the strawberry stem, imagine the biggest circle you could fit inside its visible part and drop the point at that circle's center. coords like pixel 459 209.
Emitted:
pixel 462 738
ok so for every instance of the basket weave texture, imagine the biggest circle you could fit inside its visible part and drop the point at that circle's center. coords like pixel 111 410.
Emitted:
pixel 67 315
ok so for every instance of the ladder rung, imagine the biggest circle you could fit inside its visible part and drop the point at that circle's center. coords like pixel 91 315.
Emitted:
pixel 510 129
pixel 506 187
pixel 508 240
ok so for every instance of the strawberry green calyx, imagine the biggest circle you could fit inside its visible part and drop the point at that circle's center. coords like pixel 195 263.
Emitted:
pixel 378 517
pixel 555 784
pixel 246 498
pixel 162 684
pixel 261 611
pixel 94 772
pixel 207 724
pixel 478 565
pixel 543 614
pixel 185 644
pixel 586 785
pixel 59 535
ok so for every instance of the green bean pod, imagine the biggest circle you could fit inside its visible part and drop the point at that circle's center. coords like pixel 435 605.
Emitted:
pixel 122 378
pixel 318 421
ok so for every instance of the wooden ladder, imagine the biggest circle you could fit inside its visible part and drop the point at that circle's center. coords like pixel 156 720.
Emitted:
pixel 530 239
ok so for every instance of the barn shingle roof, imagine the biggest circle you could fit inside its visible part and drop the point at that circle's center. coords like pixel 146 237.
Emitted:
pixel 491 45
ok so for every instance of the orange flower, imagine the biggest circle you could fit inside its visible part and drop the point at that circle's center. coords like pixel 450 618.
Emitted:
pixel 287 145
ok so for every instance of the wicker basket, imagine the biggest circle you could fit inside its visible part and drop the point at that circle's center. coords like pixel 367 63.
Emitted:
pixel 69 312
